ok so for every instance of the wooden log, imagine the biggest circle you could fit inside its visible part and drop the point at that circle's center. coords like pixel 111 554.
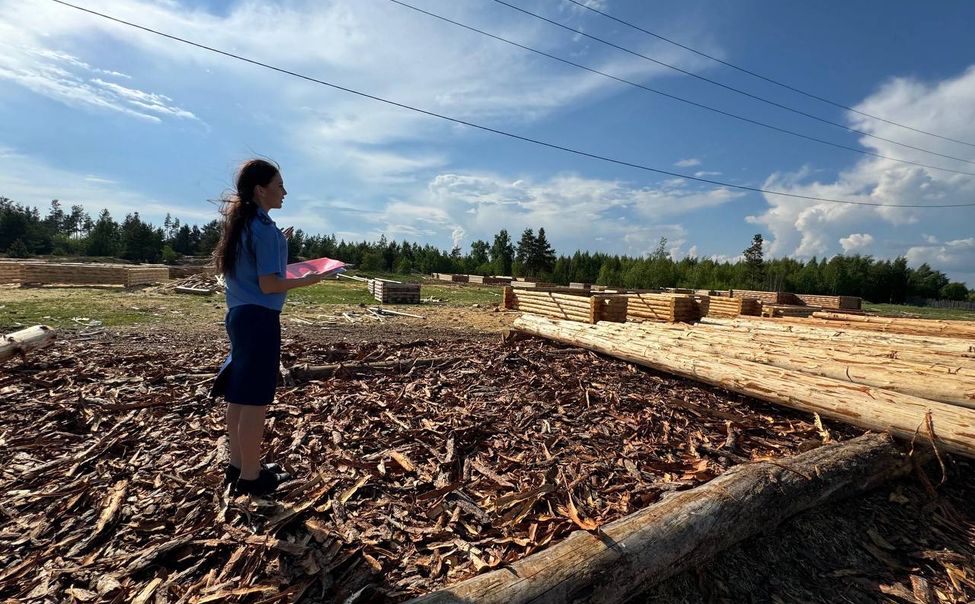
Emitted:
pixel 935 382
pixel 879 351
pixel 196 291
pixel 580 301
pixel 936 327
pixel 863 406
pixel 684 530
pixel 26 340
pixel 508 297
pixel 321 372
pixel 555 312
pixel 584 308
pixel 833 332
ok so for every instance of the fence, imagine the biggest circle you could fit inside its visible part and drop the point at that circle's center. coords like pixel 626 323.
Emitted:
pixel 932 303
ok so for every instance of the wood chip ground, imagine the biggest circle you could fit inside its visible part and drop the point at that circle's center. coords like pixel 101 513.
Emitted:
pixel 111 464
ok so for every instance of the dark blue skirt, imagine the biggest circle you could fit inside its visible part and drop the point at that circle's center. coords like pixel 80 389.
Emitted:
pixel 249 376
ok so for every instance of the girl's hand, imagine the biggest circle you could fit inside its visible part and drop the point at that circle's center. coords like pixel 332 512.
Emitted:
pixel 288 232
pixel 313 278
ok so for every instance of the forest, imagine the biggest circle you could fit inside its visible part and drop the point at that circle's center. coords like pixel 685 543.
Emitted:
pixel 67 232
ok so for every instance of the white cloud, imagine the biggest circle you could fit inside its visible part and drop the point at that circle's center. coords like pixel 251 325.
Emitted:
pixel 706 174
pixel 66 78
pixel 457 236
pixel 956 257
pixel 805 228
pixel 575 211
pixel 856 242
pixel 29 180
pixel 688 163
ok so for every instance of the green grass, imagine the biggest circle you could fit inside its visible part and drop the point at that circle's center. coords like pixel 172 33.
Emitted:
pixel 345 291
pixel 60 307
pixel 922 312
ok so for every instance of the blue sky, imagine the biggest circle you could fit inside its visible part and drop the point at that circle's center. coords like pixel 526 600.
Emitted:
pixel 96 113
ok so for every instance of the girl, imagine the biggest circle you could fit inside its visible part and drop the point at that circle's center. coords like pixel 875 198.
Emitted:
pixel 252 256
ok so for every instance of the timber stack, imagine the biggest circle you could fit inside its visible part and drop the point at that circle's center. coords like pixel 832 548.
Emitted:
pixel 671 308
pixel 893 395
pixel 788 310
pixel 567 306
pixel 766 297
pixel 11 272
pixel 732 307
pixel 75 273
pixel 389 292
pixel 836 302
pixel 482 280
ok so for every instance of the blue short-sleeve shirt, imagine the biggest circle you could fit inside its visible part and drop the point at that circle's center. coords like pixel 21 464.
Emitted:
pixel 263 250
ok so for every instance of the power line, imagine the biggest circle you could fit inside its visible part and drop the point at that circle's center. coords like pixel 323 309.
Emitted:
pixel 766 78
pixel 726 86
pixel 494 130
pixel 675 97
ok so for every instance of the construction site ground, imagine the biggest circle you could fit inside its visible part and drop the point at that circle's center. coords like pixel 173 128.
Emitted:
pixel 406 480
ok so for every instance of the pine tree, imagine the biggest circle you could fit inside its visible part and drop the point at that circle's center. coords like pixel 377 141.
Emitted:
pixel 502 253
pixel 105 238
pixel 754 262
pixel 544 254
pixel 525 254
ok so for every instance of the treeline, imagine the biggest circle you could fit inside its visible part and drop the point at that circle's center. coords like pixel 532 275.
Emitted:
pixel 24 232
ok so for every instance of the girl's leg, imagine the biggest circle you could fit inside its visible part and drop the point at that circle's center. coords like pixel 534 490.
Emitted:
pixel 233 423
pixel 250 434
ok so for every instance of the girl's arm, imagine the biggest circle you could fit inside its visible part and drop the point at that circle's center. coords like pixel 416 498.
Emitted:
pixel 274 284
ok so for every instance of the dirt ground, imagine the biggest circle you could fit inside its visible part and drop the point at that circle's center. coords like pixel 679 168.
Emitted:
pixel 912 541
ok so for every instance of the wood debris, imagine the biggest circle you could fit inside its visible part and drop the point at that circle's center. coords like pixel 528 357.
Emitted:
pixel 409 477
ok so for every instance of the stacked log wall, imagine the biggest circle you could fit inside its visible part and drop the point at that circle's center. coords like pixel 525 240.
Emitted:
pixel 11 272
pixel 662 307
pixel 145 275
pixel 395 293
pixel 844 302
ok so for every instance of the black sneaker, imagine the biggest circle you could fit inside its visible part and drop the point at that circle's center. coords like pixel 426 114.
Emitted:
pixel 232 473
pixel 265 484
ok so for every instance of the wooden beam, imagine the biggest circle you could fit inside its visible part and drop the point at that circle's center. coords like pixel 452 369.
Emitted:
pixel 684 530
pixel 26 340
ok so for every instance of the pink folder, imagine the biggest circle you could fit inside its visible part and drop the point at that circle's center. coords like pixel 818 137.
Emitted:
pixel 319 265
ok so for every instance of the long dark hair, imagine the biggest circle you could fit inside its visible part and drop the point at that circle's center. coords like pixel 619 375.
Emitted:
pixel 238 209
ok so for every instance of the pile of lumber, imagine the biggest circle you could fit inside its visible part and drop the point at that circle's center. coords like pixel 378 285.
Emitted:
pixel 179 272
pixel 145 275
pixel 844 302
pixel 451 278
pixel 578 285
pixel 788 310
pixel 570 307
pixel 11 272
pixel 765 297
pixel 489 280
pixel 388 292
pixel 927 395
pixel 662 307
pixel 76 273
pixel 718 306
pixel 534 285
pixel 199 284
